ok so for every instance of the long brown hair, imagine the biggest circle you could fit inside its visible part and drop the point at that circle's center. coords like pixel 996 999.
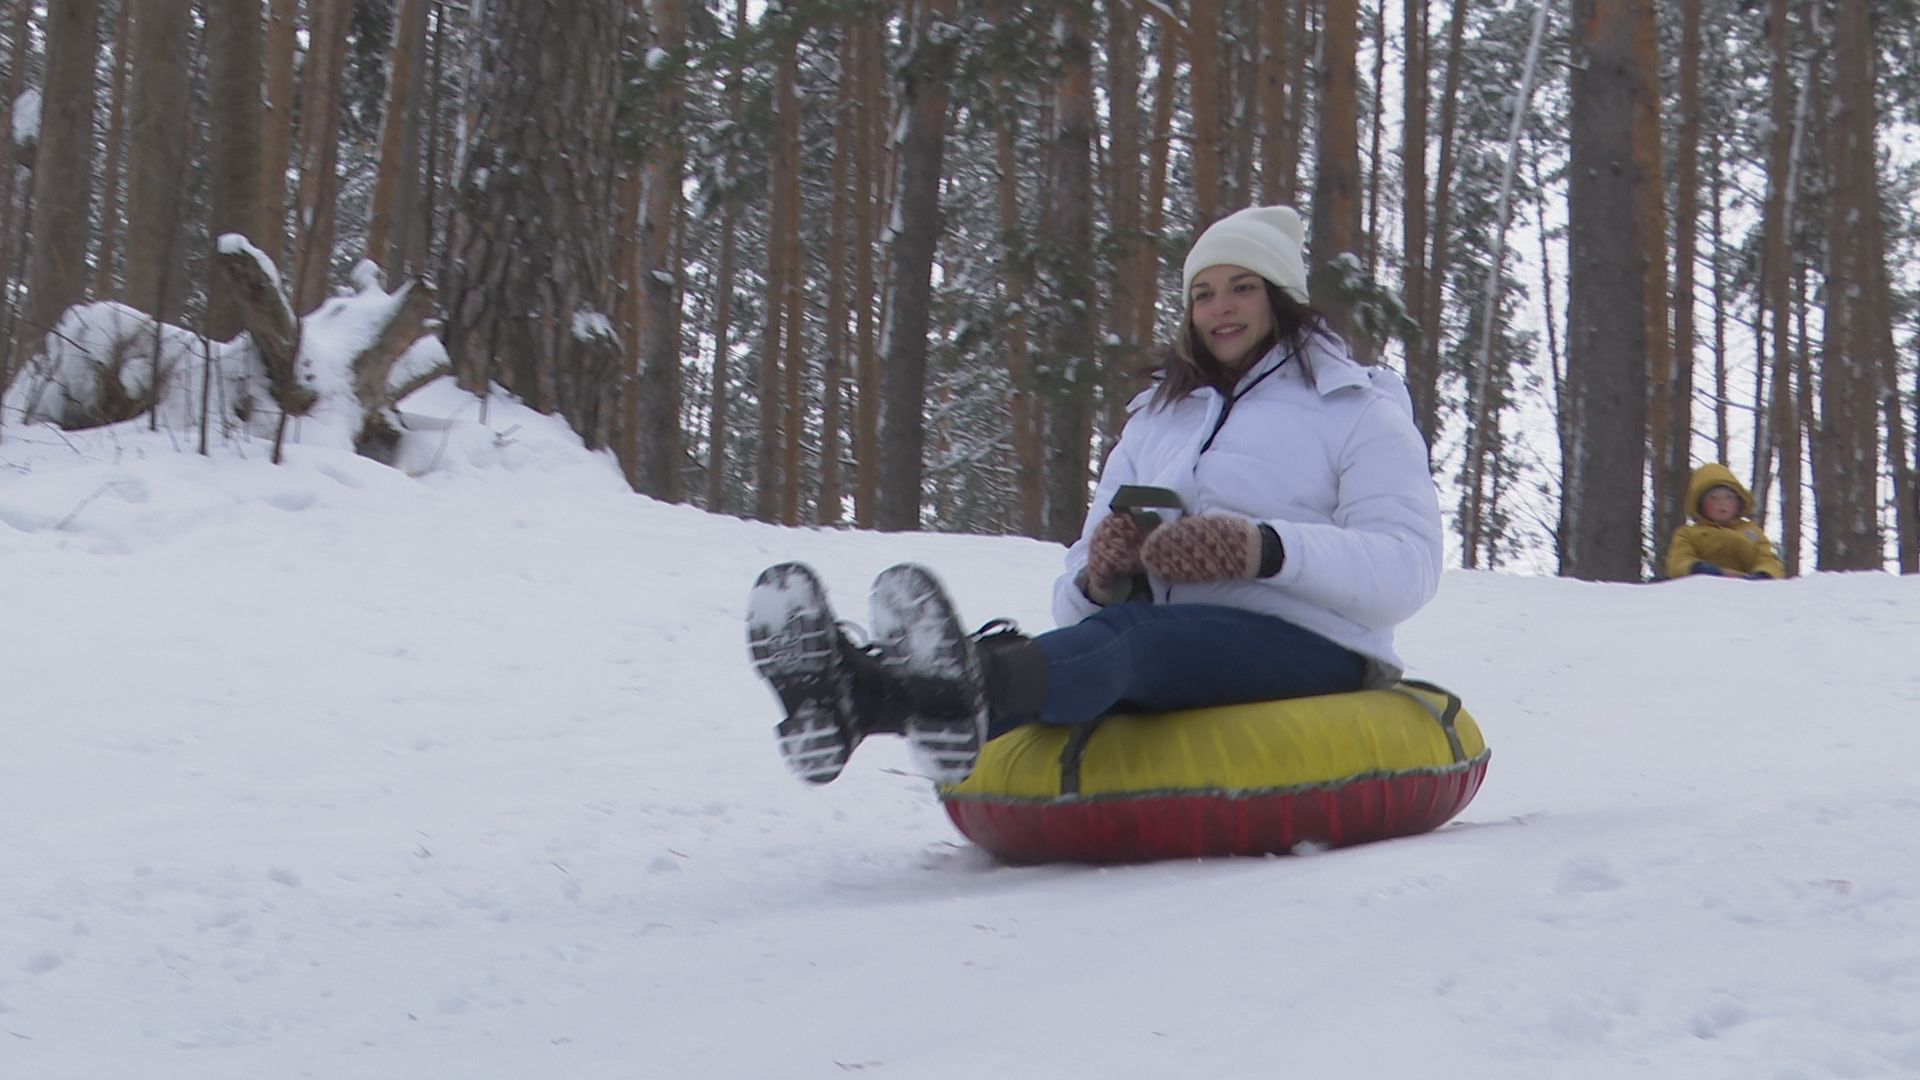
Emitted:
pixel 1191 364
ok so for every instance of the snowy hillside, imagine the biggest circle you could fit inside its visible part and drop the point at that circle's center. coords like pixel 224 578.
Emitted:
pixel 326 770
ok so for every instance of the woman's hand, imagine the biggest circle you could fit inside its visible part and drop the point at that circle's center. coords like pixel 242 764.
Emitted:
pixel 1113 557
pixel 1207 547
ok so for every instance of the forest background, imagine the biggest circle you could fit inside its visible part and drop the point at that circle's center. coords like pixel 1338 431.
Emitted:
pixel 900 265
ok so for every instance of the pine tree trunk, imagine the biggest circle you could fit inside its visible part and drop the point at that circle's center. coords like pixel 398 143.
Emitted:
pixel 1203 52
pixel 1153 224
pixel 1716 261
pixel 110 215
pixel 1556 366
pixel 1483 422
pixel 871 121
pixel 1668 443
pixel 157 117
pixel 1773 256
pixel 1786 152
pixel 1336 178
pixel 923 94
pixel 234 40
pixel 1606 325
pixel 1413 183
pixel 1069 232
pixel 396 187
pixel 1302 50
pixel 793 362
pixel 719 428
pixel 1123 217
pixel 1376 124
pixel 1854 379
pixel 1276 135
pixel 831 505
pixel 319 184
pixel 15 13
pixel 530 296
pixel 1029 501
pixel 62 170
pixel 1669 509
pixel 769 455
pixel 660 382
pixel 1423 381
pixel 276 125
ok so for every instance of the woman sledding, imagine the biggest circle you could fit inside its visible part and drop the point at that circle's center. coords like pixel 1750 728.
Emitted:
pixel 1308 529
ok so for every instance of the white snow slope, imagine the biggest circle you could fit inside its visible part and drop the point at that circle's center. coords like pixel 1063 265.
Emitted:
pixel 329 770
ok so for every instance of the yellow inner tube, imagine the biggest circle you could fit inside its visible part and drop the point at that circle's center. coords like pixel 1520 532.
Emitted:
pixel 1233 749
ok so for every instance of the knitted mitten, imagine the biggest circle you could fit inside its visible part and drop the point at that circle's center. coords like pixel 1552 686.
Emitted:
pixel 1113 557
pixel 1208 547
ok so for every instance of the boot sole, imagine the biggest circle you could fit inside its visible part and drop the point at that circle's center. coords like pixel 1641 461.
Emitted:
pixel 791 635
pixel 921 638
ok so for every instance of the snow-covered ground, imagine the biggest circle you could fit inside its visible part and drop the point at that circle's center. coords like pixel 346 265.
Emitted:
pixel 332 770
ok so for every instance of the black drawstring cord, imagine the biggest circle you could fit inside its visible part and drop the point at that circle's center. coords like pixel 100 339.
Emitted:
pixel 1232 399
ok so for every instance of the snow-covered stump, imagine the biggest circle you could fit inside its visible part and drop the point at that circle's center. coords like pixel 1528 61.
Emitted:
pixel 268 318
pixel 373 374
pixel 294 378
pixel 104 363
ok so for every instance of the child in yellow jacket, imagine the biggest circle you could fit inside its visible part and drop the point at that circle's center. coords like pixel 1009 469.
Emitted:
pixel 1722 540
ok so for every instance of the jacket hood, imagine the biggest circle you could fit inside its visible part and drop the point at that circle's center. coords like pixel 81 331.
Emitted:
pixel 1714 475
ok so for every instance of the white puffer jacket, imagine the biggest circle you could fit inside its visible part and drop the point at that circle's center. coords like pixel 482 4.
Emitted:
pixel 1335 466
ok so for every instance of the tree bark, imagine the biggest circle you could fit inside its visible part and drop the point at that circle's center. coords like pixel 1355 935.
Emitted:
pixel 16 13
pixel 110 215
pixel 63 169
pixel 1336 177
pixel 1154 223
pixel 769 456
pixel 870 119
pixel 831 503
pixel 233 141
pixel 1669 450
pixel 1204 67
pixel 1606 328
pixel 319 184
pixel 1276 134
pixel 660 383
pixel 1413 182
pixel 1376 125
pixel 530 290
pixel 718 412
pixel 923 95
pixel 157 140
pixel 276 126
pixel 393 222
pixel 793 363
pixel 1857 386
pixel 1423 381
pixel 1674 466
pixel 1069 229
pixel 1130 350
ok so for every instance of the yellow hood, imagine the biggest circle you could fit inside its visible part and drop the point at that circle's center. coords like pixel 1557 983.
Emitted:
pixel 1711 476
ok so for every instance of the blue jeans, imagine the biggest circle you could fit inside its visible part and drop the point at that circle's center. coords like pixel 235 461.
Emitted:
pixel 1164 657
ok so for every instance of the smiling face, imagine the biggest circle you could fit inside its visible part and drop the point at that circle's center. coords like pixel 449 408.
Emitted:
pixel 1229 309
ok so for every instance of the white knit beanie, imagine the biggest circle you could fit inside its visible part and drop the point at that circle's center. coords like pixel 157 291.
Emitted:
pixel 1264 239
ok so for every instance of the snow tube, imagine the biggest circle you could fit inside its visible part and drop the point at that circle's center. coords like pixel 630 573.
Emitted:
pixel 1239 780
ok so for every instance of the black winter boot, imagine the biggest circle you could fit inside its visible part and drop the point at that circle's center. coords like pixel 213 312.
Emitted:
pixel 1013 673
pixel 920 639
pixel 835 692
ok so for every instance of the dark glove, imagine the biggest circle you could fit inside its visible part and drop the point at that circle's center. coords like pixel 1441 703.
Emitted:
pixel 1113 557
pixel 1207 547
pixel 1706 568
